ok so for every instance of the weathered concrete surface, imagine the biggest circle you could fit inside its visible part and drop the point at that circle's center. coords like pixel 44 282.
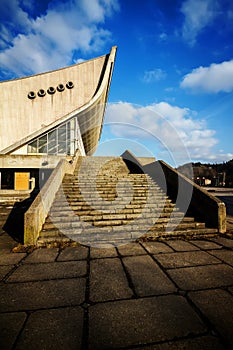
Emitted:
pixel 108 281
pixel 41 294
pixel 217 305
pixel 41 256
pixel 147 277
pixel 40 112
pixel 48 271
pixel 186 259
pixel 202 277
pixel 143 320
pixel 56 331
pixel 149 295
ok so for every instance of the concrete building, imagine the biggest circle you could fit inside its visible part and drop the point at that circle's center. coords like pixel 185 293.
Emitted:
pixel 52 191
pixel 51 115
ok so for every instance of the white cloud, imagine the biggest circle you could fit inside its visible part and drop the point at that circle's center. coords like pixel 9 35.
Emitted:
pixel 151 76
pixel 80 60
pixel 54 39
pixel 12 16
pixel 163 36
pixel 215 78
pixel 176 130
pixel 198 14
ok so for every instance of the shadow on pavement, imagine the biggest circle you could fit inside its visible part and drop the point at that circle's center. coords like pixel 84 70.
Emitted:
pixel 14 225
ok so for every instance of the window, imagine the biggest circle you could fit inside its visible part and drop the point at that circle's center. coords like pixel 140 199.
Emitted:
pixel 61 140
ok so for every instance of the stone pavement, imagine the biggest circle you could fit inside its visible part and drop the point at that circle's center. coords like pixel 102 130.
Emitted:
pixel 151 295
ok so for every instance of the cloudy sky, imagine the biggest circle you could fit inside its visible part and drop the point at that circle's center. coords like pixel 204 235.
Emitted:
pixel 172 89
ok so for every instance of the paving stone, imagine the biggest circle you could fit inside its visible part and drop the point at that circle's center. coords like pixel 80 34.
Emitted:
pixel 46 271
pixel 5 250
pixel 100 252
pixel 73 253
pixel 10 258
pixel 226 242
pixel 4 270
pixel 183 259
pixel 53 329
pixel 131 249
pixel 181 246
pixel 6 242
pixel 201 277
pixel 108 280
pixel 217 305
pixel 10 326
pixel 205 245
pixel 157 247
pixel 43 294
pixel 147 277
pixel 199 343
pixel 224 255
pixel 139 321
pixel 42 255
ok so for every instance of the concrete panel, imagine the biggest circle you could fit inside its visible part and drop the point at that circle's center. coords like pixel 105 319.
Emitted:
pixel 17 109
pixel 40 112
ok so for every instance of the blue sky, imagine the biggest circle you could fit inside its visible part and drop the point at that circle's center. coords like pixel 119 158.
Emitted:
pixel 172 88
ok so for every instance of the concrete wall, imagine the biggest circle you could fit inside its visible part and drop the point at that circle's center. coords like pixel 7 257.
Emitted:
pixel 201 204
pixel 35 216
pixel 189 197
pixel 27 161
pixel 21 116
pixel 34 118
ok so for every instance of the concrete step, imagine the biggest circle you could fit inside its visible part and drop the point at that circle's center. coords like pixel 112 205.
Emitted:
pixel 117 220
pixel 60 201
pixel 187 233
pixel 88 207
pixel 93 214
pixel 101 209
pixel 118 238
pixel 74 218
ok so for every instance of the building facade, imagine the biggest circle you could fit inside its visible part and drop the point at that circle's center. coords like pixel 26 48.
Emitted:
pixel 52 115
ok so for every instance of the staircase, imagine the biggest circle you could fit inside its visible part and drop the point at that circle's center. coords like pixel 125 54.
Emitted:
pixel 103 203
pixel 12 209
pixel 5 210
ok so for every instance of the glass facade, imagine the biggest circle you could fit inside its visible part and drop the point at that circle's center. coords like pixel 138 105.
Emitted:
pixel 61 140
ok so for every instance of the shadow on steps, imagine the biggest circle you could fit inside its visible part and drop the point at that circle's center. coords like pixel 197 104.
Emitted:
pixel 14 225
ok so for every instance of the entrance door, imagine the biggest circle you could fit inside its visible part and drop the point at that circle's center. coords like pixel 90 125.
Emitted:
pixel 22 181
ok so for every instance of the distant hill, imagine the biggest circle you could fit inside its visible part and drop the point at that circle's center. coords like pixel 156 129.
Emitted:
pixel 207 174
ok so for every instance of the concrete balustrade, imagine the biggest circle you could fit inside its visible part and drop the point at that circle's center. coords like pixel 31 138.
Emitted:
pixel 35 216
pixel 189 197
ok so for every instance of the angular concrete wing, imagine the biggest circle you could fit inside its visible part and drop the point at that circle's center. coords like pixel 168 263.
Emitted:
pixel 35 106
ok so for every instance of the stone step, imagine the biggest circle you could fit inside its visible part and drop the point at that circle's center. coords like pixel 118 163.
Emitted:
pixel 91 194
pixel 185 233
pixel 93 214
pixel 77 208
pixel 96 174
pixel 73 218
pixel 112 209
pixel 122 237
pixel 116 220
pixel 59 202
pixel 73 190
pixel 115 199
pixel 99 199
pixel 88 207
pixel 110 186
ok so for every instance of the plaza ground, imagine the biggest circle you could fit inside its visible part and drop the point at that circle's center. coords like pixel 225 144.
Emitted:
pixel 174 294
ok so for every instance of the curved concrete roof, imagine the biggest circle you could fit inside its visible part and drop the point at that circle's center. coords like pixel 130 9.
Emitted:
pixel 26 113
